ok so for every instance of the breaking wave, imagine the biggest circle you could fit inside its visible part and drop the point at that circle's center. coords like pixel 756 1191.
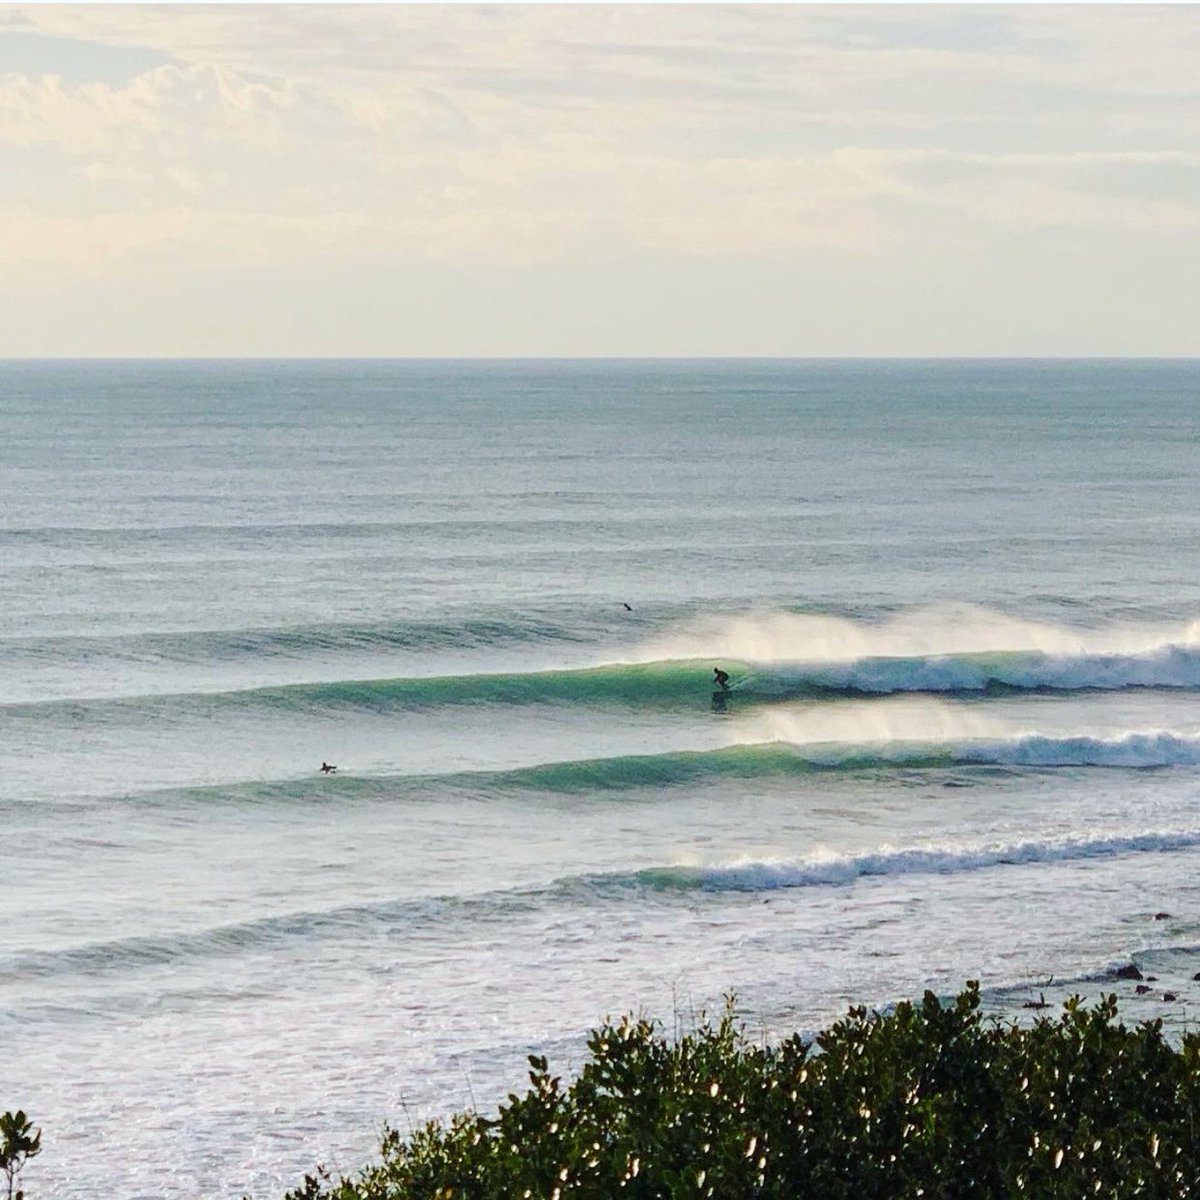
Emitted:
pixel 764 760
pixel 668 686
pixel 843 869
pixel 274 934
pixel 1133 750
pixel 950 649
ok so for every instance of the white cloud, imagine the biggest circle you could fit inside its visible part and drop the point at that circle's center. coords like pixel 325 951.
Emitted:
pixel 168 108
pixel 442 136
pixel 1075 190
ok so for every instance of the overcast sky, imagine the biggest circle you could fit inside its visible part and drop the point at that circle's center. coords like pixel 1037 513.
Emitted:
pixel 599 179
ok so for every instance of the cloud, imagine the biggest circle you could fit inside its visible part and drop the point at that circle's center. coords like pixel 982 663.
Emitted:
pixel 444 137
pixel 167 108
pixel 1134 192
pixel 521 205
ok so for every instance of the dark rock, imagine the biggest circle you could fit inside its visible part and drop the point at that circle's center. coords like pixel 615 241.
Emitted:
pixel 1127 972
pixel 1162 916
pixel 1151 978
pixel 1142 989
pixel 1196 977
pixel 1170 996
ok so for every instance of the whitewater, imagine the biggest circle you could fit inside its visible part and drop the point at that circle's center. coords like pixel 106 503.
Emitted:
pixel 959 607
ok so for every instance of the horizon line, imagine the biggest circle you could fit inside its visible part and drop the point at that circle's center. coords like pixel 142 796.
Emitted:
pixel 568 358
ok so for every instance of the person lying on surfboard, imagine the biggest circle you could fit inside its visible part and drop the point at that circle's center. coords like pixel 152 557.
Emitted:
pixel 327 768
pixel 722 678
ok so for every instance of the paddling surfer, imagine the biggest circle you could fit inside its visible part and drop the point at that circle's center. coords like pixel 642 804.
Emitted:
pixel 327 768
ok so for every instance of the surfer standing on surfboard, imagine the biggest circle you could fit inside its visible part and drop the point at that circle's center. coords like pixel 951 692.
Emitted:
pixel 722 678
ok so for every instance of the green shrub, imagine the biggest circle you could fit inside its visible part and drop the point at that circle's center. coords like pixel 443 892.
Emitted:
pixel 929 1100
pixel 18 1144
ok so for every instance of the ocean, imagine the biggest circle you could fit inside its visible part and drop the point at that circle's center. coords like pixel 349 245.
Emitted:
pixel 958 603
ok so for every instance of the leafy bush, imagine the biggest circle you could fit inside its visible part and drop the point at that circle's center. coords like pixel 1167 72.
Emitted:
pixel 927 1101
pixel 18 1144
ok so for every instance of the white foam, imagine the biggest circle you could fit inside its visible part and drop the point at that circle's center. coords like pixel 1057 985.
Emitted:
pixel 824 869
pixel 1165 666
pixel 1144 748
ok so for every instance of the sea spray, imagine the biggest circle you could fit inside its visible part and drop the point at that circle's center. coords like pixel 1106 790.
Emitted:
pixel 927 631
pixel 856 722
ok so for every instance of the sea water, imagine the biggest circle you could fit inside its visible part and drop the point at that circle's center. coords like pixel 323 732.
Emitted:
pixel 957 602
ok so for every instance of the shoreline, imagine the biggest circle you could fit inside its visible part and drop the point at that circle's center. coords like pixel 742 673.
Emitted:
pixel 1160 984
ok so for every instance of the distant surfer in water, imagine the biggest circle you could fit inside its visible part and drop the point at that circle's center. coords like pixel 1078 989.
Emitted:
pixel 327 768
pixel 627 608
pixel 722 678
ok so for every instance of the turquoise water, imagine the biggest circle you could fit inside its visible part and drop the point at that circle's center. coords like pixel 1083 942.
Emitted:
pixel 959 603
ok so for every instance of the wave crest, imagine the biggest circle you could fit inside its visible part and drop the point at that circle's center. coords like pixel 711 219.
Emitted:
pixel 833 870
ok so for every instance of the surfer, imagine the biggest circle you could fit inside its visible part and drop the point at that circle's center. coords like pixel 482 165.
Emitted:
pixel 327 768
pixel 627 608
pixel 722 678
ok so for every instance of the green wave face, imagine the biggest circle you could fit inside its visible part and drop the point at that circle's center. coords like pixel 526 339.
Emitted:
pixel 664 686
pixel 652 770
pixel 582 777
pixel 761 760
pixel 657 685
pixel 1133 750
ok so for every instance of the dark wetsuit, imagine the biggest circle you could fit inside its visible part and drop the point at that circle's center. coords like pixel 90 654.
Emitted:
pixel 722 678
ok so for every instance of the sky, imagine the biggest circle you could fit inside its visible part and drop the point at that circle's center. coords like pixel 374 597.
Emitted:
pixel 601 179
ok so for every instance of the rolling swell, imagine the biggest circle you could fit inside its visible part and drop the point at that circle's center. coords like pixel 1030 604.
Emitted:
pixel 261 935
pixel 580 777
pixel 404 917
pixel 200 647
